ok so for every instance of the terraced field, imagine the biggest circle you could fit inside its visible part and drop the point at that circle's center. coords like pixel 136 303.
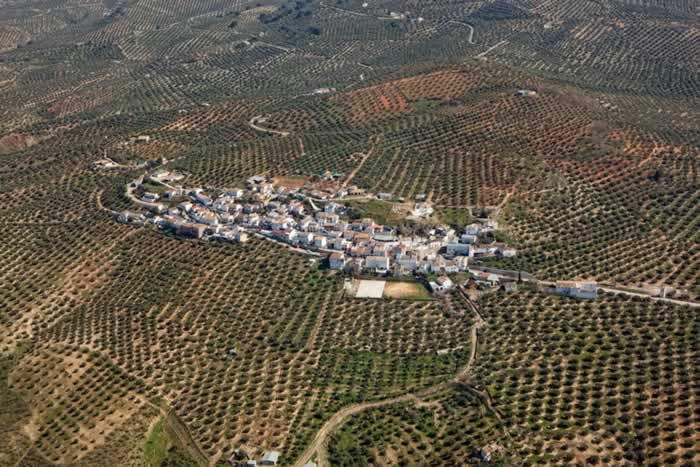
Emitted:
pixel 112 334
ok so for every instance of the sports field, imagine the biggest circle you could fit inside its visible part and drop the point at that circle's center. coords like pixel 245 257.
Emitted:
pixel 370 289
pixel 406 290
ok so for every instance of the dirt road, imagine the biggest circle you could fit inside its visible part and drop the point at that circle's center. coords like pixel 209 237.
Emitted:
pixel 339 417
pixel 254 125
pixel 365 156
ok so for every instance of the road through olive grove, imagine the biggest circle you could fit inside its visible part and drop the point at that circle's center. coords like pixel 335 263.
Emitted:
pixel 341 416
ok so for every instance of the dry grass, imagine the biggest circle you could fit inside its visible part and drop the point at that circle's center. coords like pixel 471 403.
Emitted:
pixel 406 290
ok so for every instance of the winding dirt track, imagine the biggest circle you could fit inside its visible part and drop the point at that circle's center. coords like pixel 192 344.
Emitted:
pixel 253 123
pixel 339 417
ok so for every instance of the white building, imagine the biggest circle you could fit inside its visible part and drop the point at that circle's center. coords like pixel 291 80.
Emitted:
pixel 336 260
pixel 270 458
pixel 203 216
pixel 575 289
pixel 150 197
pixel 407 264
pixel 306 238
pixel 468 239
pixel 378 263
pixel 422 210
pixel 320 242
pixel 459 249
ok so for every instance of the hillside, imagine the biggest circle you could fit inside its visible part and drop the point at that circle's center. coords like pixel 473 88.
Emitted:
pixel 122 345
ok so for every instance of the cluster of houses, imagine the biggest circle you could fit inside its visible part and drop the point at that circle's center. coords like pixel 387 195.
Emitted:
pixel 304 218
pixel 317 221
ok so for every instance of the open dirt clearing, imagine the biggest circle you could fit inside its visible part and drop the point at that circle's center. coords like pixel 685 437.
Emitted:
pixel 370 289
pixel 405 290
pixel 290 182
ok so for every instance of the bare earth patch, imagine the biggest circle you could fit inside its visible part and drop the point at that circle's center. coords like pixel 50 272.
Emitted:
pixel 370 289
pixel 405 290
pixel 290 182
pixel 17 142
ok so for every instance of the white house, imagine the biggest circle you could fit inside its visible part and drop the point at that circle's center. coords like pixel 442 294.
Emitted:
pixel 320 241
pixel 485 277
pixel 378 263
pixel 459 249
pixel 336 260
pixel 407 264
pixel 279 223
pixel 204 216
pixel 305 222
pixel 228 218
pixel 507 252
pixel 203 199
pixel 462 262
pixel 331 208
pixel 127 216
pixel 150 197
pixel 270 458
pixel 526 92
pixel 326 218
pixel 472 229
pixel 422 210
pixel 340 243
pixel 306 237
pixel 575 289
pixel 468 239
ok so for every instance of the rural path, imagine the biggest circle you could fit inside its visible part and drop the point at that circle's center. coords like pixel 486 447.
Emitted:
pixel 355 13
pixel 625 290
pixel 339 417
pixel 130 194
pixel 470 39
pixel 354 172
pixel 497 211
pixel 101 207
pixel 253 123
pixel 259 43
pixel 493 47
pixel 630 293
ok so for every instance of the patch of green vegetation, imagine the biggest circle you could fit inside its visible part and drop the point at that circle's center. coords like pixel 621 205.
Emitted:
pixel 345 450
pixel 176 457
pixel 154 187
pixel 426 105
pixel 155 451
pixel 497 236
pixel 431 276
pixel 380 211
pixel 456 218
pixel 421 293
pixel 13 409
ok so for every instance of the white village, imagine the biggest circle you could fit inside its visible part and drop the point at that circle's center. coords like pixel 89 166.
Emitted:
pixel 314 218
